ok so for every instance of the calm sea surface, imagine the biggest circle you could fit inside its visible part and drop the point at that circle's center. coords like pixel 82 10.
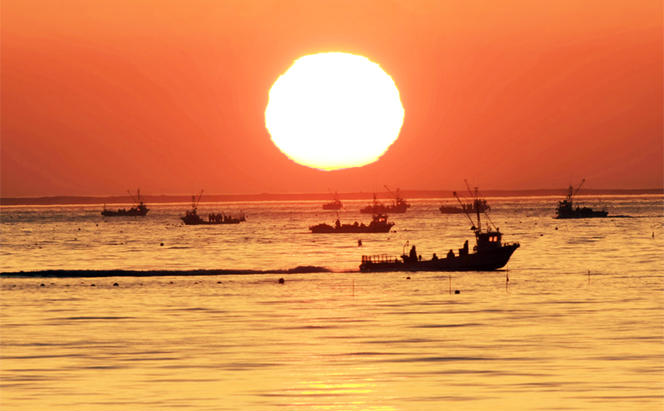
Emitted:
pixel 578 326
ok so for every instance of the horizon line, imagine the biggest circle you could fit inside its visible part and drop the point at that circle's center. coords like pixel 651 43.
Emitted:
pixel 354 195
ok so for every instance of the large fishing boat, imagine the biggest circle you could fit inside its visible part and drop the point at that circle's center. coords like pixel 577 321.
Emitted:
pixel 489 253
pixel 139 210
pixel 467 208
pixel 191 217
pixel 566 207
pixel 378 224
pixel 399 205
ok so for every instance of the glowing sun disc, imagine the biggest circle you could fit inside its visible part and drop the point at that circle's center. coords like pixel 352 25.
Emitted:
pixel 334 110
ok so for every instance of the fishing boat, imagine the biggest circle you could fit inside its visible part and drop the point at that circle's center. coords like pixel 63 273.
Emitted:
pixel 139 210
pixel 566 207
pixel 489 253
pixel 335 204
pixel 191 217
pixel 464 208
pixel 378 224
pixel 399 205
pixel 467 208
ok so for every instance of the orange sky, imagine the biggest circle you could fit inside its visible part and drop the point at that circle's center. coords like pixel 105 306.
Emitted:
pixel 169 96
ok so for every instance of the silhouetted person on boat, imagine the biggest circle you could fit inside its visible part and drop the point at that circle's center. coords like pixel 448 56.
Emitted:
pixel 413 254
pixel 337 224
pixel 450 254
pixel 464 250
pixel 435 257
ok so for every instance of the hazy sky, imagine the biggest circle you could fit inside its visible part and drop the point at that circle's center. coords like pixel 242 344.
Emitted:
pixel 101 96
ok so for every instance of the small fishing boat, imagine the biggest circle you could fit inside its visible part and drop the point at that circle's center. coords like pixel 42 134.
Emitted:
pixel 566 207
pixel 399 205
pixel 489 253
pixel 378 224
pixel 464 208
pixel 191 217
pixel 467 208
pixel 335 204
pixel 139 210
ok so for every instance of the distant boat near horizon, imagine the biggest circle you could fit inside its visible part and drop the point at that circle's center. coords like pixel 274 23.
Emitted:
pixel 466 208
pixel 566 207
pixel 191 217
pixel 335 204
pixel 399 205
pixel 139 210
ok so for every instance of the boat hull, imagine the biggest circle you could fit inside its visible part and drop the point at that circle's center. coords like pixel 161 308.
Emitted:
pixel 189 220
pixel 582 214
pixel 328 229
pixel 489 260
pixel 125 213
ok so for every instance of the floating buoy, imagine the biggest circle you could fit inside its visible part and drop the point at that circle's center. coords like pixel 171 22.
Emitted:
pixel 457 292
pixel 281 281
pixel 42 285
pixel 359 243
pixel 116 285
pixel 161 244
pixel 407 278
pixel 218 282
pixel 92 285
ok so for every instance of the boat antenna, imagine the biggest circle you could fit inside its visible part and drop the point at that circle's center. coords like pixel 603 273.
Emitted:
pixel 479 204
pixel 195 201
pixel 579 187
pixel 469 190
pixel 464 210
pixel 135 200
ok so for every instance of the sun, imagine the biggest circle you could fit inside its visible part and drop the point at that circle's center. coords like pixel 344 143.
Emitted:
pixel 334 110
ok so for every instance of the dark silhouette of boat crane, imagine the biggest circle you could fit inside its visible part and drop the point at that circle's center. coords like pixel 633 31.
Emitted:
pixel 191 217
pixel 489 253
pixel 566 207
pixel 399 205
pixel 378 224
pixel 139 210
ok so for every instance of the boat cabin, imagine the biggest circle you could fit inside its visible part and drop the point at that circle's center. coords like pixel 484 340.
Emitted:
pixel 488 240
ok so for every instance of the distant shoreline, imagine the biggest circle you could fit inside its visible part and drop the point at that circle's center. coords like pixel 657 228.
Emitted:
pixel 408 194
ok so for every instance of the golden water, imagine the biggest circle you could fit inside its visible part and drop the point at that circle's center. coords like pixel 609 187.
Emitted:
pixel 554 336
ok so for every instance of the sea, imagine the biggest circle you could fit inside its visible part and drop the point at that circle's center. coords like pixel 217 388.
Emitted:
pixel 575 321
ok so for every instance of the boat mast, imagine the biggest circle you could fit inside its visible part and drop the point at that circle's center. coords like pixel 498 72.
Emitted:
pixel 577 190
pixel 195 201
pixel 464 210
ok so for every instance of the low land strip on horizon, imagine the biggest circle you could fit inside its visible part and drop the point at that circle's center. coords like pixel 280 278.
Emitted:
pixel 409 194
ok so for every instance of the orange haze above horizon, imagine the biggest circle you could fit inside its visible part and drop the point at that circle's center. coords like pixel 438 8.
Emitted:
pixel 98 97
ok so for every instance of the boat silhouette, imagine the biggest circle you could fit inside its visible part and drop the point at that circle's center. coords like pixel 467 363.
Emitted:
pixel 191 217
pixel 399 205
pixel 566 207
pixel 489 253
pixel 467 208
pixel 335 204
pixel 378 224
pixel 139 210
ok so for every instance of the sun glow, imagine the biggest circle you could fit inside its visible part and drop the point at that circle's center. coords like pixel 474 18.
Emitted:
pixel 334 110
